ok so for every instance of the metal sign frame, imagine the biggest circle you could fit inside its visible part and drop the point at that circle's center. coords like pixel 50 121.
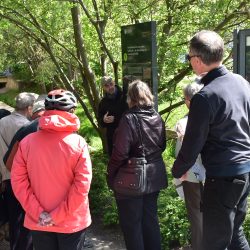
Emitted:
pixel 139 54
pixel 241 53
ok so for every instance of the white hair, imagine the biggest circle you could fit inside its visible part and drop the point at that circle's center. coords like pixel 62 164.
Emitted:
pixel 24 100
pixel 191 89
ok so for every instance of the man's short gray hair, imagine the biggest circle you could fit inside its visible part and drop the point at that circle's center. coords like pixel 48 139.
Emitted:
pixel 191 89
pixel 208 45
pixel 24 100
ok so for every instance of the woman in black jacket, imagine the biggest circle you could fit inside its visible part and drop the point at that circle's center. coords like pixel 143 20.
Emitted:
pixel 138 214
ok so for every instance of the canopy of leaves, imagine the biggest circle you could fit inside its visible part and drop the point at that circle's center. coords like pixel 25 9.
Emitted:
pixel 72 43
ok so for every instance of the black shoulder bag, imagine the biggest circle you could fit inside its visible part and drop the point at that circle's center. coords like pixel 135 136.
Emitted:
pixel 131 179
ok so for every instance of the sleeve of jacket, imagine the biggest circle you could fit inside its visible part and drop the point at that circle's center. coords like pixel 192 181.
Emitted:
pixel 180 128
pixel 77 197
pixel 21 185
pixel 10 156
pixel 164 136
pixel 101 113
pixel 122 144
pixel 195 135
pixel 13 142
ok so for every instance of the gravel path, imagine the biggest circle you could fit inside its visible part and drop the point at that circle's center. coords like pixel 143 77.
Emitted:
pixel 105 237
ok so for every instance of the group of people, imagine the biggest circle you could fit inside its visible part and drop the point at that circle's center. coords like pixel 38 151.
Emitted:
pixel 46 169
pixel 213 154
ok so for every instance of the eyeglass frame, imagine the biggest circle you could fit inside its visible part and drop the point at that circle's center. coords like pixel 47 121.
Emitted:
pixel 188 57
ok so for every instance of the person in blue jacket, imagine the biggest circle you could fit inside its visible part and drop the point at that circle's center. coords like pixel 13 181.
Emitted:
pixel 218 128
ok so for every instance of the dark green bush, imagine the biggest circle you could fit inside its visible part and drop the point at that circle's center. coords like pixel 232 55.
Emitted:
pixel 102 201
pixel 173 219
pixel 9 98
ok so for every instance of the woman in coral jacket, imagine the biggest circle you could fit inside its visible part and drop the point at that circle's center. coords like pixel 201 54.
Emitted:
pixel 51 176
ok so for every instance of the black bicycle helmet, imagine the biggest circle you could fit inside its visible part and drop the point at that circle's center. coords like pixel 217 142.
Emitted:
pixel 60 99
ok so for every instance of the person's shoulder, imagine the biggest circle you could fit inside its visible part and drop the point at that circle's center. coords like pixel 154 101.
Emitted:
pixel 75 137
pixel 25 139
pixel 128 114
pixel 241 79
pixel 126 118
pixel 27 129
pixel 6 118
pixel 104 101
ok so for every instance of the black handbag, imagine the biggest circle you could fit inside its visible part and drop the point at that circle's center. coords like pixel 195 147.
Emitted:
pixel 131 179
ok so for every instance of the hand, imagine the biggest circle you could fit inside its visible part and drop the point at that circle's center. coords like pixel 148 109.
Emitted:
pixel 45 220
pixel 184 177
pixel 108 118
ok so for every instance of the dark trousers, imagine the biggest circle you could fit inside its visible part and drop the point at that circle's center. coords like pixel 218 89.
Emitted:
pixel 58 241
pixel 109 135
pixel 224 211
pixel 139 222
pixel 20 237
pixel 192 194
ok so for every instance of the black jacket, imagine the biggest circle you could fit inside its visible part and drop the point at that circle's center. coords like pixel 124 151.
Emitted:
pixel 127 144
pixel 218 126
pixel 115 107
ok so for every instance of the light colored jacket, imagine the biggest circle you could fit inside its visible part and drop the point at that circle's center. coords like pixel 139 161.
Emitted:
pixel 8 128
pixel 52 172
pixel 197 172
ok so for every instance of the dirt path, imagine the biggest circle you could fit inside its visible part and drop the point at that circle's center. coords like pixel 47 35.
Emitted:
pixel 105 237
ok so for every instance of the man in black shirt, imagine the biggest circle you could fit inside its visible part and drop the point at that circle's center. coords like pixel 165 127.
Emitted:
pixel 218 128
pixel 111 108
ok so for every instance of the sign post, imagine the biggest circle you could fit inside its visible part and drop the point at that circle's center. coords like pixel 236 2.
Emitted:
pixel 139 54
pixel 241 53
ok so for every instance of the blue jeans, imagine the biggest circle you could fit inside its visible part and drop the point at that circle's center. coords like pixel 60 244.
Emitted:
pixel 43 240
pixel 224 211
pixel 139 222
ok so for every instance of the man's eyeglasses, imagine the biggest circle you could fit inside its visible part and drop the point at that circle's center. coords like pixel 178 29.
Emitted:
pixel 188 57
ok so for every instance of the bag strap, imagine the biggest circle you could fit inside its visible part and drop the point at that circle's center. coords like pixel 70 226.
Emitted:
pixel 138 125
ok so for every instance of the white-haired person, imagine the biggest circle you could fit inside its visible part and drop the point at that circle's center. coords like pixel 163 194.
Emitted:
pixel 8 127
pixel 192 180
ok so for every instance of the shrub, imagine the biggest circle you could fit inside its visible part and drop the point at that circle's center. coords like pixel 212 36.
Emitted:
pixel 9 98
pixel 173 219
pixel 102 201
